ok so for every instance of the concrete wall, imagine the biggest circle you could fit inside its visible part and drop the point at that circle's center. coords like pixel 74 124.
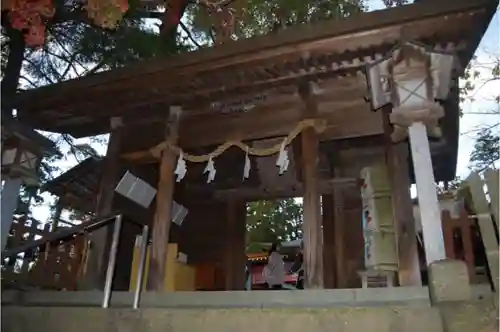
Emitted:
pixel 375 310
pixel 465 317
pixel 472 316
pixel 390 319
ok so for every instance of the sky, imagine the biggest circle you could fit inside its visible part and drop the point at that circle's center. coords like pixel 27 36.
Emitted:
pixel 488 52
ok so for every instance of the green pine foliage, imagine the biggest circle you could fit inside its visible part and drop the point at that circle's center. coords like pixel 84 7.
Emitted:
pixel 271 221
pixel 260 17
pixel 486 151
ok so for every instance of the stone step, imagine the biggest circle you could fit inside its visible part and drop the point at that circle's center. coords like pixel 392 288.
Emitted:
pixel 398 296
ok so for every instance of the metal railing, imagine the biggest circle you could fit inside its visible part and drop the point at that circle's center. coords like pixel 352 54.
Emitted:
pixel 89 226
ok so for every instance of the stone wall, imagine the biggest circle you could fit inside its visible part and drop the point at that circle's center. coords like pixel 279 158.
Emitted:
pixel 458 317
pixel 387 319
pixel 397 309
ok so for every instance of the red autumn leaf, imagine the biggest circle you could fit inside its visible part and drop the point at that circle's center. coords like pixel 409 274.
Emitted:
pixel 35 36
pixel 17 21
pixel 122 5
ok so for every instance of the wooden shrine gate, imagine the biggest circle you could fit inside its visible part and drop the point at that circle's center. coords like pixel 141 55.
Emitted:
pixel 321 77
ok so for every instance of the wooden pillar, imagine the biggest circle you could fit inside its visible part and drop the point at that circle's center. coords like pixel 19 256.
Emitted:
pixel 328 241
pixel 404 221
pixel 234 249
pixel 163 214
pixel 339 233
pixel 462 224
pixel 354 241
pixel 241 254
pixel 402 206
pixel 101 239
pixel 313 239
pixel 229 262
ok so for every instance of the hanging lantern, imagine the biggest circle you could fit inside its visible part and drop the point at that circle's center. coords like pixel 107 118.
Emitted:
pixel 412 78
pixel 22 151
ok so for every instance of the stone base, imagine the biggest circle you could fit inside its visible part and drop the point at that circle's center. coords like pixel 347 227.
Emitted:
pixel 377 278
pixel 449 281
pixel 352 319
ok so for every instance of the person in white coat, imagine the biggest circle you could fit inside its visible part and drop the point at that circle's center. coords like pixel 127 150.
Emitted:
pixel 274 272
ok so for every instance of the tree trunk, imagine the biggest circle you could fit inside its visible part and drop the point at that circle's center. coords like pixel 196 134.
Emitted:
pixel 12 71
pixel 169 32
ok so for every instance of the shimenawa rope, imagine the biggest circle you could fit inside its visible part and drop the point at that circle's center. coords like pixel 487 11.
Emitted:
pixel 318 124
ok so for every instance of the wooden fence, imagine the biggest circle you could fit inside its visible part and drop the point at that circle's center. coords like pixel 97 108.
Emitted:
pixel 485 205
pixel 56 267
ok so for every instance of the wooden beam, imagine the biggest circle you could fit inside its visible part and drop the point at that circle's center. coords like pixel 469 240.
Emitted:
pixel 350 120
pixel 313 241
pixel 163 215
pixel 346 120
pixel 324 187
pixel 266 171
pixel 101 238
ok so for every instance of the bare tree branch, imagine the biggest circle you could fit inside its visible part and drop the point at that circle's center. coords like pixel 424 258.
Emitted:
pixel 30 82
pixel 37 68
pixel 71 54
pixel 481 113
pixel 483 84
pixel 479 129
pixel 68 61
pixel 183 26
pixel 98 66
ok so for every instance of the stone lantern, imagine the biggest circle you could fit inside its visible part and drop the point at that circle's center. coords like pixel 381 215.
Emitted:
pixel 413 79
pixel 22 151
